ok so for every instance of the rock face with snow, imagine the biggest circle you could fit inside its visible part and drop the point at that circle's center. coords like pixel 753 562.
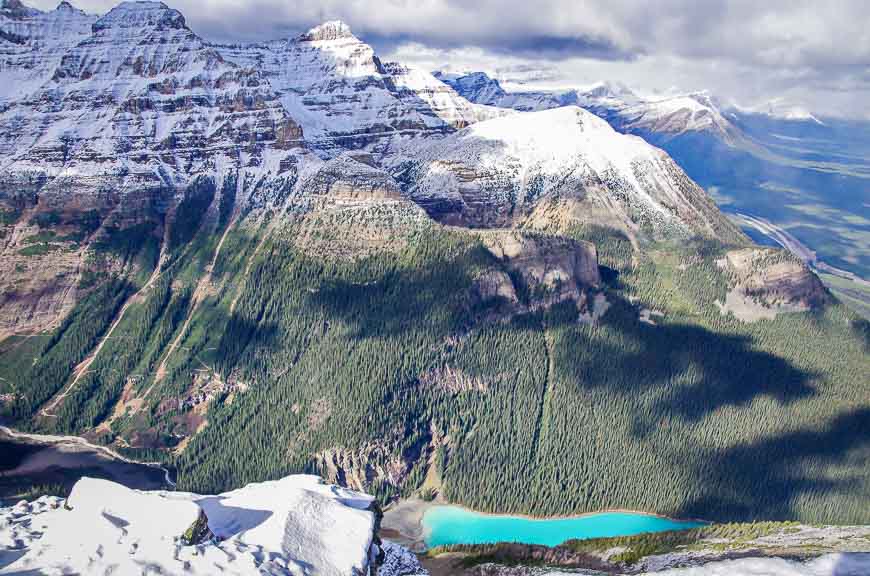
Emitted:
pixel 509 171
pixel 348 208
pixel 296 525
pixel 141 93
pixel 346 98
pixel 33 42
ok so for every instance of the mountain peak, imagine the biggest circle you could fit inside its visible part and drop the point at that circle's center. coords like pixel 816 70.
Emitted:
pixel 16 9
pixel 141 14
pixel 615 90
pixel 331 30
pixel 66 7
pixel 476 86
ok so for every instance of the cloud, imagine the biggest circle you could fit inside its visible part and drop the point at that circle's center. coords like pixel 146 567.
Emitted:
pixel 816 54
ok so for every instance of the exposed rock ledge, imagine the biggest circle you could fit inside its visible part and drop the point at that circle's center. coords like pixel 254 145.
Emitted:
pixel 539 271
pixel 295 526
pixel 767 282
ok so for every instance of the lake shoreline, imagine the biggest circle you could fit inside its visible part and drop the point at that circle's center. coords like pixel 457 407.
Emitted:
pixel 403 520
pixel 50 459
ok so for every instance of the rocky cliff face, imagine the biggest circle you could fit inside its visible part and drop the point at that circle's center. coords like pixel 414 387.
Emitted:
pixel 104 123
pixel 141 92
pixel 349 209
pixel 539 271
pixel 767 282
pixel 33 42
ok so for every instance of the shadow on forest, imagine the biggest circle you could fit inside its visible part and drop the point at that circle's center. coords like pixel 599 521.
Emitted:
pixel 400 300
pixel 672 371
pixel 241 336
pixel 697 371
pixel 766 478
pixel 861 329
pixel 669 371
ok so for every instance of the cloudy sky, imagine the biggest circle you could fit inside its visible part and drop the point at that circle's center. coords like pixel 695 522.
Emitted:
pixel 805 53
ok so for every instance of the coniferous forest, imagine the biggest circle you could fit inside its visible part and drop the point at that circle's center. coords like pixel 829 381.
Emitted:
pixel 268 357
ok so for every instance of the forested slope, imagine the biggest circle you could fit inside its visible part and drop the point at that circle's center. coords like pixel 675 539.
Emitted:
pixel 392 372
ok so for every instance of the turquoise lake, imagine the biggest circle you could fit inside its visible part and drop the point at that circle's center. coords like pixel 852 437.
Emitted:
pixel 443 525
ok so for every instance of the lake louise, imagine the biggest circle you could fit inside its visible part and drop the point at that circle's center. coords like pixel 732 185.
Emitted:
pixel 445 525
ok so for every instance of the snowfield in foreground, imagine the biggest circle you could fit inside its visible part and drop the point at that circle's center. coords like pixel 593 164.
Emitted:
pixel 296 525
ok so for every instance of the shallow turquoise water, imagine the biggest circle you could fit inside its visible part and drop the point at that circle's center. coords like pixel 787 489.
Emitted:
pixel 444 525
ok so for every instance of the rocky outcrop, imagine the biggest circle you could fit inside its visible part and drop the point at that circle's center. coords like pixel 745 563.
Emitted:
pixel 538 271
pixel 349 209
pixel 39 285
pixel 361 468
pixel 351 177
pixel 767 281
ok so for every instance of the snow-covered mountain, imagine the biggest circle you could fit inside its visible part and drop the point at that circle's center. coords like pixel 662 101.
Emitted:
pixel 696 112
pixel 513 170
pixel 296 525
pixel 628 112
pixel 345 97
pixel 780 109
pixel 140 99
pixel 140 95
pixel 32 43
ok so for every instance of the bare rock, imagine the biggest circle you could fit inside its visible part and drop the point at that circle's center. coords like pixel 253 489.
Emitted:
pixel 775 278
pixel 539 271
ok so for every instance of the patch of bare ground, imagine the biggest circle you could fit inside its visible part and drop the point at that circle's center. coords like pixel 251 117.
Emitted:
pixel 453 380
pixel 128 403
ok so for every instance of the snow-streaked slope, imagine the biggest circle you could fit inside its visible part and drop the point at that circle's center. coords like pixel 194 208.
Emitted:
pixel 296 526
pixel 497 172
pixel 828 565
pixel 142 91
pixel 346 98
pixel 628 112
pixel 475 86
pixel 696 112
pixel 32 44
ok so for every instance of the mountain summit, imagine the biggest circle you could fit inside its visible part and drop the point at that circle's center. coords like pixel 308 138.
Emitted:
pixel 332 30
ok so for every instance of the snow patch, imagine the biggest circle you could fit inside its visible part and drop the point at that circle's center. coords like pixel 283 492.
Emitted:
pixel 296 525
